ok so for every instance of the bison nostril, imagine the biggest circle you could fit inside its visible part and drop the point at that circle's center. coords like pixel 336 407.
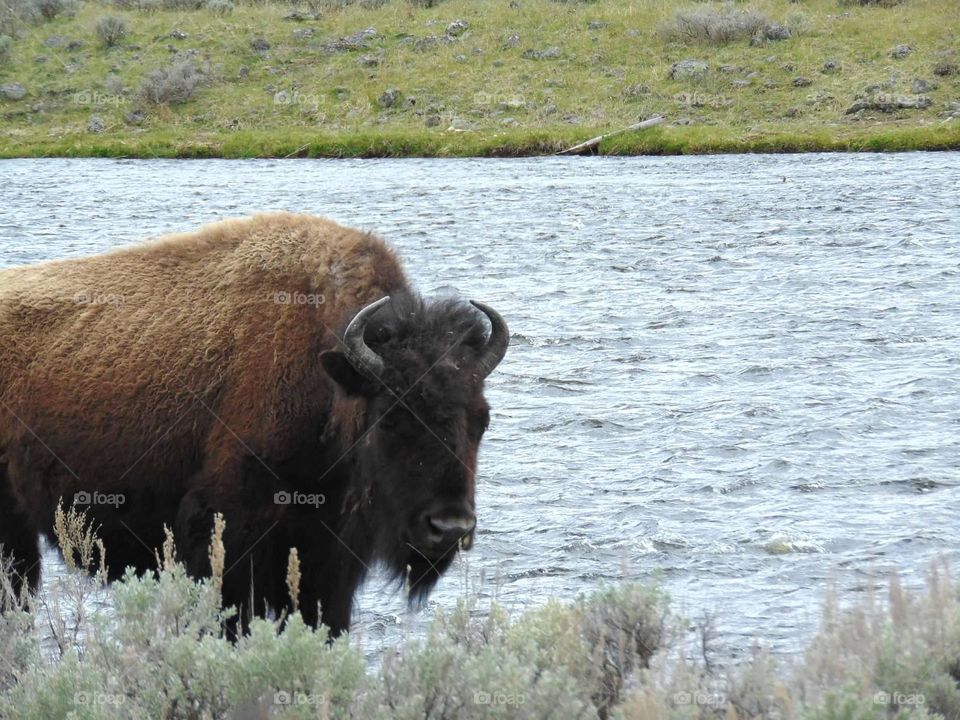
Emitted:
pixel 452 526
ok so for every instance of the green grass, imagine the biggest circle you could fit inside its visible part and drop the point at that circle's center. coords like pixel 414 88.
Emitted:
pixel 477 95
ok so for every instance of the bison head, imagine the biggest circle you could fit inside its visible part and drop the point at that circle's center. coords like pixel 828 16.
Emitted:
pixel 417 371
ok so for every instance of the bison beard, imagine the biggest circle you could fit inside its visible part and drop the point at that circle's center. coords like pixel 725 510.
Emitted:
pixel 278 370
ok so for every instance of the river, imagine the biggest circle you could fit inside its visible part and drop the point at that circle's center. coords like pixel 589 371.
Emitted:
pixel 738 375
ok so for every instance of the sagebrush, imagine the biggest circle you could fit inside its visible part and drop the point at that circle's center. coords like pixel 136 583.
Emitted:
pixel 111 30
pixel 157 649
pixel 714 24
pixel 176 83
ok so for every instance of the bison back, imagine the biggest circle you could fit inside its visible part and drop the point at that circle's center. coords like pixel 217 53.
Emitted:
pixel 130 372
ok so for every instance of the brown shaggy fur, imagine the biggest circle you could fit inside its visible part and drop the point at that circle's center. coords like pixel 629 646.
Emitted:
pixel 159 369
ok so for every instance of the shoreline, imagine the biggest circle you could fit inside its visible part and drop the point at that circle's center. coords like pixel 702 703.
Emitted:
pixel 665 141
pixel 460 79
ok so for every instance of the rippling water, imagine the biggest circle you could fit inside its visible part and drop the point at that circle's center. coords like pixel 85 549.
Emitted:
pixel 739 374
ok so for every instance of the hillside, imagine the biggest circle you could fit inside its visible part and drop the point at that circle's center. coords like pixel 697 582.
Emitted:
pixel 217 78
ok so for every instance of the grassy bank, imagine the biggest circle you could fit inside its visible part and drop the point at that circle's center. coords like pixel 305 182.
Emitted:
pixel 218 78
pixel 158 652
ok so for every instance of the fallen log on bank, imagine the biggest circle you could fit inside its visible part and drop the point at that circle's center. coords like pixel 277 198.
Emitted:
pixel 593 142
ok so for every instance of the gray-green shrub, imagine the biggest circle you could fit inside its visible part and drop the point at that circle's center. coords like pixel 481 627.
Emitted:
pixel 176 83
pixel 220 7
pixel 318 6
pixel 111 30
pixel 51 9
pixel 159 651
pixel 907 644
pixel 878 3
pixel 17 647
pixel 624 627
pixel 149 6
pixel 15 14
pixel 713 25
pixel 145 6
pixel 6 48
pixel 181 4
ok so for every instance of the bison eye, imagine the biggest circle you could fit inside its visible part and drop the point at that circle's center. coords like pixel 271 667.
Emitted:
pixel 382 334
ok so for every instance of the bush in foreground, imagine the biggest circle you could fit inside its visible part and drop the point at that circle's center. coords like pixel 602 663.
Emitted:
pixel 160 653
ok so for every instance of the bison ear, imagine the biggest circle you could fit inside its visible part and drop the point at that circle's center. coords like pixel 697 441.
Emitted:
pixel 345 374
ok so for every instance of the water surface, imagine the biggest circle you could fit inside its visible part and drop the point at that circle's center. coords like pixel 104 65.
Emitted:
pixel 737 374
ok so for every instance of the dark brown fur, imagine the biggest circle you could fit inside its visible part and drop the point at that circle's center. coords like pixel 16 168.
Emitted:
pixel 170 373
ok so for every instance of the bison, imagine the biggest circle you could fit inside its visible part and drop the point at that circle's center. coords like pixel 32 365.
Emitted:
pixel 277 369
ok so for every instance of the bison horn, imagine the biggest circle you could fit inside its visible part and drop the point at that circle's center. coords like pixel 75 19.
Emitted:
pixel 358 352
pixel 496 346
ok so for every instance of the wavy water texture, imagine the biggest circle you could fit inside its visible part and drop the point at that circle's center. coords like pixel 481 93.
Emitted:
pixel 741 374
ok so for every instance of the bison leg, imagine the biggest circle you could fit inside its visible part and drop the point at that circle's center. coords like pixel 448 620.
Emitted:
pixel 253 578
pixel 19 539
pixel 258 536
pixel 326 594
